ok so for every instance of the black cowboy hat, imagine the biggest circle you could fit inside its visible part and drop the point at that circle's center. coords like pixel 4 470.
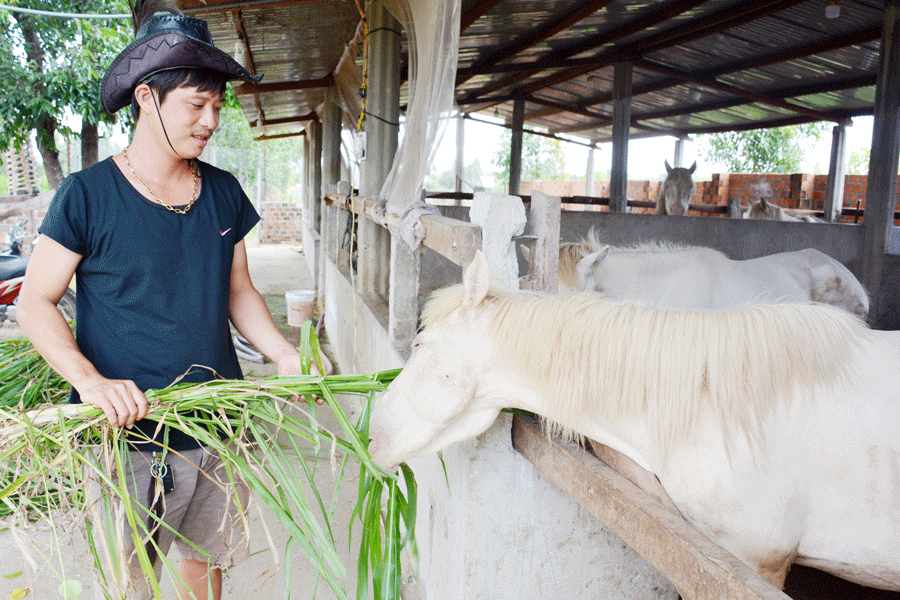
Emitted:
pixel 165 41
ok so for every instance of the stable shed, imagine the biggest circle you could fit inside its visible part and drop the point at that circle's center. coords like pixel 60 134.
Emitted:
pixel 595 71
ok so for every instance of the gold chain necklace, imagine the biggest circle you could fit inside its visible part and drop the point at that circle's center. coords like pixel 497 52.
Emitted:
pixel 194 196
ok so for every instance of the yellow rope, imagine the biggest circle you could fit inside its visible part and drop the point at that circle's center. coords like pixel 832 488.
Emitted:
pixel 365 84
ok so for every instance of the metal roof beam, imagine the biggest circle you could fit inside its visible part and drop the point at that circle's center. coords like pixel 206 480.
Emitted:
pixel 535 37
pixel 735 91
pixel 671 37
pixel 654 18
pixel 237 19
pixel 476 12
pixel 733 16
pixel 194 7
pixel 792 92
pixel 284 86
pixel 313 116
pixel 851 39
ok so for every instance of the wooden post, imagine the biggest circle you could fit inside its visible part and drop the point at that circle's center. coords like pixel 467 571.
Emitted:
pixel 544 224
pixel 515 151
pixel 834 191
pixel 618 177
pixel 734 207
pixel 881 187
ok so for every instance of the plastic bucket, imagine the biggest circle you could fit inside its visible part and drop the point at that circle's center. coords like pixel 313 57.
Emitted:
pixel 301 304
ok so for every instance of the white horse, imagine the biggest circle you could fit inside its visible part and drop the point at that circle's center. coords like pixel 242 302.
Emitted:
pixel 774 429
pixel 696 277
pixel 675 195
pixel 767 211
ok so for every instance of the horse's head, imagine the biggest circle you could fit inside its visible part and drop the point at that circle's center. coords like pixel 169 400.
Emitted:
pixel 432 403
pixel 677 189
pixel 766 211
pixel 589 270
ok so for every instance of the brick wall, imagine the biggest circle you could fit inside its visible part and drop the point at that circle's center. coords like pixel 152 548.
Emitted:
pixel 789 190
pixel 281 223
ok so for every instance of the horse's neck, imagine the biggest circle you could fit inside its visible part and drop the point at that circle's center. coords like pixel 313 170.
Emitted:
pixel 507 387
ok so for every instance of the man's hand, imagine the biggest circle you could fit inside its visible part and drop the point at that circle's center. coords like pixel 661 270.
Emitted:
pixel 291 364
pixel 120 399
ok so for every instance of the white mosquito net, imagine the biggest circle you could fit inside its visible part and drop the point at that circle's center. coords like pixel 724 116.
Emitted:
pixel 433 34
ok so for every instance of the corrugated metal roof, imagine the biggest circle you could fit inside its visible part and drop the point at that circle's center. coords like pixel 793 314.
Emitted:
pixel 698 66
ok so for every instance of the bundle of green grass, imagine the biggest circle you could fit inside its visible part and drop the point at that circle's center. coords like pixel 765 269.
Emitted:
pixel 271 427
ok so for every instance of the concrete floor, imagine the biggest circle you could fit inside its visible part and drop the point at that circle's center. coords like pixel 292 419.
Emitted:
pixel 58 558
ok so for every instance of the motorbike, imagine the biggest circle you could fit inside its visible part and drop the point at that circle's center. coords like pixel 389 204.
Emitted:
pixel 12 274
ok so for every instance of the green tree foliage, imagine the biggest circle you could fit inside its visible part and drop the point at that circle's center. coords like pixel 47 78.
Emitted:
pixel 775 150
pixel 51 67
pixel 858 162
pixel 278 163
pixel 542 158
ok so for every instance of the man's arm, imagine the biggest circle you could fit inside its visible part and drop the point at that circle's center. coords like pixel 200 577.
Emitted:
pixel 49 272
pixel 252 319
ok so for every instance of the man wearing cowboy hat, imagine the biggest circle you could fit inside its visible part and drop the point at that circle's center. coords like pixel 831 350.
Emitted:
pixel 154 238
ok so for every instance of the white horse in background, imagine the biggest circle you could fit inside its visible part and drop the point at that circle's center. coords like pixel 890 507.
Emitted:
pixel 694 277
pixel 767 211
pixel 773 429
pixel 675 193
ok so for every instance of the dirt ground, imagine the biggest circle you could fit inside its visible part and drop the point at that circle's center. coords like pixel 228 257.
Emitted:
pixel 59 558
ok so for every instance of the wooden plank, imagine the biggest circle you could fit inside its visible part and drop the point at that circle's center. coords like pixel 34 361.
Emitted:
pixel 700 569
pixel 455 240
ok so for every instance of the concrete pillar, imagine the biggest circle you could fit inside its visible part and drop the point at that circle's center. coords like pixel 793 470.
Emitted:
pixel 331 173
pixel 460 154
pixel 834 192
pixel 678 159
pixel 381 127
pixel 589 175
pixel 515 151
pixel 403 297
pixel 881 188
pixel 618 177
pixel 500 217
pixel 312 209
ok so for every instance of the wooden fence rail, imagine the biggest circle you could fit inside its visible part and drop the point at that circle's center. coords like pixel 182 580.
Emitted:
pixel 700 569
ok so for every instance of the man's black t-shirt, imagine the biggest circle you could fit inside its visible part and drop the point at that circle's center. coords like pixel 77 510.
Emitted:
pixel 153 286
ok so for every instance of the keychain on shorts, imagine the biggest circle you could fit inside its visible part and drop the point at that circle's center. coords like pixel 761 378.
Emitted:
pixel 160 470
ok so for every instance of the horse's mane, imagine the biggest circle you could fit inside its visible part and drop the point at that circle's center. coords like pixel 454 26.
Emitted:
pixel 623 359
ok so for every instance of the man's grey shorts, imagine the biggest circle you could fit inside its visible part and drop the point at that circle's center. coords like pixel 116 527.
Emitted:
pixel 202 509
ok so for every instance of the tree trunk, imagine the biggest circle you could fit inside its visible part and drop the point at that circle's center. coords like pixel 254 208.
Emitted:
pixel 46 129
pixel 89 144
pixel 46 125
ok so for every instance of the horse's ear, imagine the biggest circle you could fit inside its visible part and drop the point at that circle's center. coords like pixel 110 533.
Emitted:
pixel 476 280
pixel 668 168
pixel 693 168
pixel 586 268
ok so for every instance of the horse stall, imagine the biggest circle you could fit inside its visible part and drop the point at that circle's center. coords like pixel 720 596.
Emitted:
pixel 512 513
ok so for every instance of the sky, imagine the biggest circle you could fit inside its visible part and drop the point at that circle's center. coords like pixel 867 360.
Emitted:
pixel 645 156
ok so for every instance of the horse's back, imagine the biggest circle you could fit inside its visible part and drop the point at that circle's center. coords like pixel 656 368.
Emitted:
pixel 833 283
pixel 851 449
